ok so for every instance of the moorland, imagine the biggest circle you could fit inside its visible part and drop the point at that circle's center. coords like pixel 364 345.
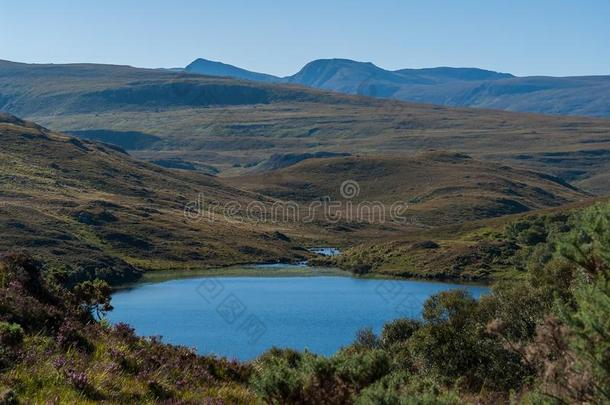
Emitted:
pixel 107 172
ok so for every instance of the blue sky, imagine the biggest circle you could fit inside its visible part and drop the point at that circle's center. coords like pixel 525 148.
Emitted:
pixel 561 37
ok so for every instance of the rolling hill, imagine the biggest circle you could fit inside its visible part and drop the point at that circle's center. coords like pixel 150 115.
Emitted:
pixel 457 87
pixel 489 249
pixel 438 188
pixel 230 127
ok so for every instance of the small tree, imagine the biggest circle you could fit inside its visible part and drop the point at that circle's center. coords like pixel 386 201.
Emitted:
pixel 589 244
pixel 93 297
pixel 572 347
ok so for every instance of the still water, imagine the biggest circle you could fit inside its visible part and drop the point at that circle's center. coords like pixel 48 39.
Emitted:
pixel 241 316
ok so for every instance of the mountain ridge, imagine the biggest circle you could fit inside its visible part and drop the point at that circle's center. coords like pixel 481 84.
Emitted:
pixel 450 86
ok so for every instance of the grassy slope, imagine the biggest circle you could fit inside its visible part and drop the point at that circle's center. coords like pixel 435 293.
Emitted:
pixel 225 122
pixel 439 188
pixel 95 207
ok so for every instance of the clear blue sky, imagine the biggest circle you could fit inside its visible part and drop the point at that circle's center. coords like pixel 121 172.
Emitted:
pixel 560 37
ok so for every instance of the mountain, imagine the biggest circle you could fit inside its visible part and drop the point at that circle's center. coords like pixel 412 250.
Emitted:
pixel 458 87
pixel 441 74
pixel 348 76
pixel 230 127
pixel 211 68
pixel 342 75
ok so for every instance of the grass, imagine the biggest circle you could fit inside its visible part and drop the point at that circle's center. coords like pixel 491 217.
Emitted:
pixel 242 271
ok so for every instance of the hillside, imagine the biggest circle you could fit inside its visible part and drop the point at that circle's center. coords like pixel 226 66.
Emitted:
pixel 228 126
pixel 438 187
pixel 486 250
pixel 27 89
pixel 457 87
pixel 94 208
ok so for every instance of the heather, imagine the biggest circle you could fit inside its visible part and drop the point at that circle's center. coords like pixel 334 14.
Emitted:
pixel 543 338
pixel 55 349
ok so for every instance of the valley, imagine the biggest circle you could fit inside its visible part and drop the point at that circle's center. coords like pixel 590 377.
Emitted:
pixel 92 210
pixel 195 204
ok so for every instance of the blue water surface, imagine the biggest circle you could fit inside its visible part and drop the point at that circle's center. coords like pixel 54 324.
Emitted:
pixel 241 317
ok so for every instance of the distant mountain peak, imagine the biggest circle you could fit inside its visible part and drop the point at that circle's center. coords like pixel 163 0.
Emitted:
pixel 212 68
pixel 343 75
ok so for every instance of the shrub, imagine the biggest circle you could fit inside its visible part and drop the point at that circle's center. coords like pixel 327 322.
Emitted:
pixel 366 339
pixel 293 357
pixel 26 272
pixel 70 336
pixel 453 344
pixel 11 334
pixel 321 384
pixel 159 391
pixel 572 352
pixel 359 370
pixel 533 236
pixel 93 297
pixel 405 389
pixel 277 382
pixel 78 379
pixel 398 331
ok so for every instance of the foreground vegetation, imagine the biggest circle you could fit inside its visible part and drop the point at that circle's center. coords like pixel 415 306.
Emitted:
pixel 543 339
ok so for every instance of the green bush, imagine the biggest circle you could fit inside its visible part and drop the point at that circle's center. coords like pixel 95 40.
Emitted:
pixel 589 339
pixel 276 380
pixel 366 339
pixel 397 331
pixel 11 334
pixel 533 236
pixel 406 389
pixel 453 343
pixel 361 369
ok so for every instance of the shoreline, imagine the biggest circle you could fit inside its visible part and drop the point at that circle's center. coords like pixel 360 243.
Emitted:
pixel 273 270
